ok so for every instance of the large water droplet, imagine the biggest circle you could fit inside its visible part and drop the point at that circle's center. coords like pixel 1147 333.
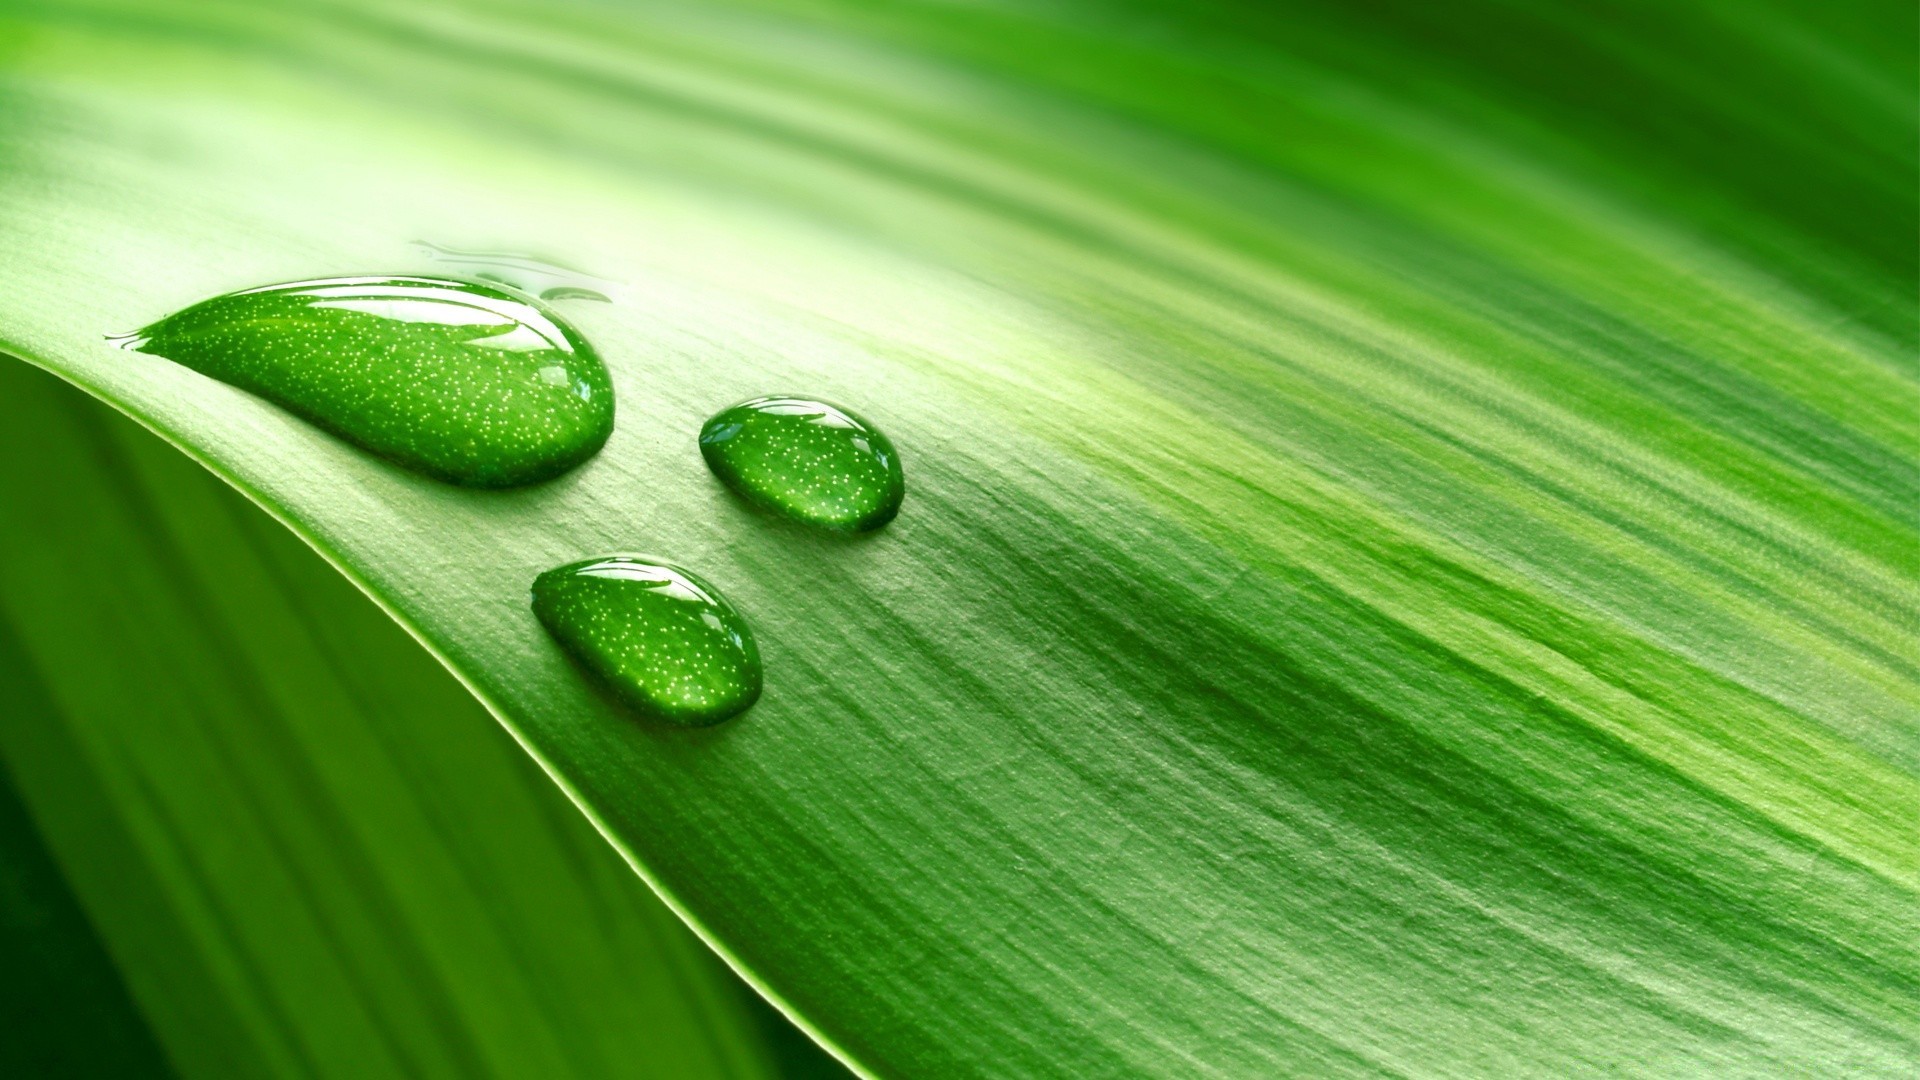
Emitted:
pixel 666 642
pixel 806 460
pixel 468 383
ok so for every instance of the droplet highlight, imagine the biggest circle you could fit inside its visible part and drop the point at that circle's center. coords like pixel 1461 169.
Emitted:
pixel 663 640
pixel 806 460
pixel 468 383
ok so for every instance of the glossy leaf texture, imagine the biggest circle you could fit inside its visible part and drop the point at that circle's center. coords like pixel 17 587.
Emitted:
pixel 307 848
pixel 1410 564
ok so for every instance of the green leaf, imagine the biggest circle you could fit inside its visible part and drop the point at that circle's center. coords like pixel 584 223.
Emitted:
pixel 309 850
pixel 1408 563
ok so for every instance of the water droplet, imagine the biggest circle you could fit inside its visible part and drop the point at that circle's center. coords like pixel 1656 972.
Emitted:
pixel 468 383
pixel 572 292
pixel 531 274
pixel 662 639
pixel 807 460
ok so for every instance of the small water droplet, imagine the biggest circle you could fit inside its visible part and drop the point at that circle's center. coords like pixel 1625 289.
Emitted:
pixel 573 292
pixel 664 641
pixel 468 383
pixel 531 274
pixel 806 460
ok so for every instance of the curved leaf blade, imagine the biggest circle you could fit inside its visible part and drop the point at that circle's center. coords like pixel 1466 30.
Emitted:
pixel 1408 568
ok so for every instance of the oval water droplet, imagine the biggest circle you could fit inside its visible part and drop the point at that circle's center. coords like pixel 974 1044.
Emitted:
pixel 664 641
pixel 806 460
pixel 467 383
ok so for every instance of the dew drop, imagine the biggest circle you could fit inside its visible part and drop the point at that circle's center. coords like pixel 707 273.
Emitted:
pixel 664 641
pixel 806 460
pixel 468 383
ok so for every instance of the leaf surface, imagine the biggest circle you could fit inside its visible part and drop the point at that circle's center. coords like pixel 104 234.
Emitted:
pixel 1408 561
